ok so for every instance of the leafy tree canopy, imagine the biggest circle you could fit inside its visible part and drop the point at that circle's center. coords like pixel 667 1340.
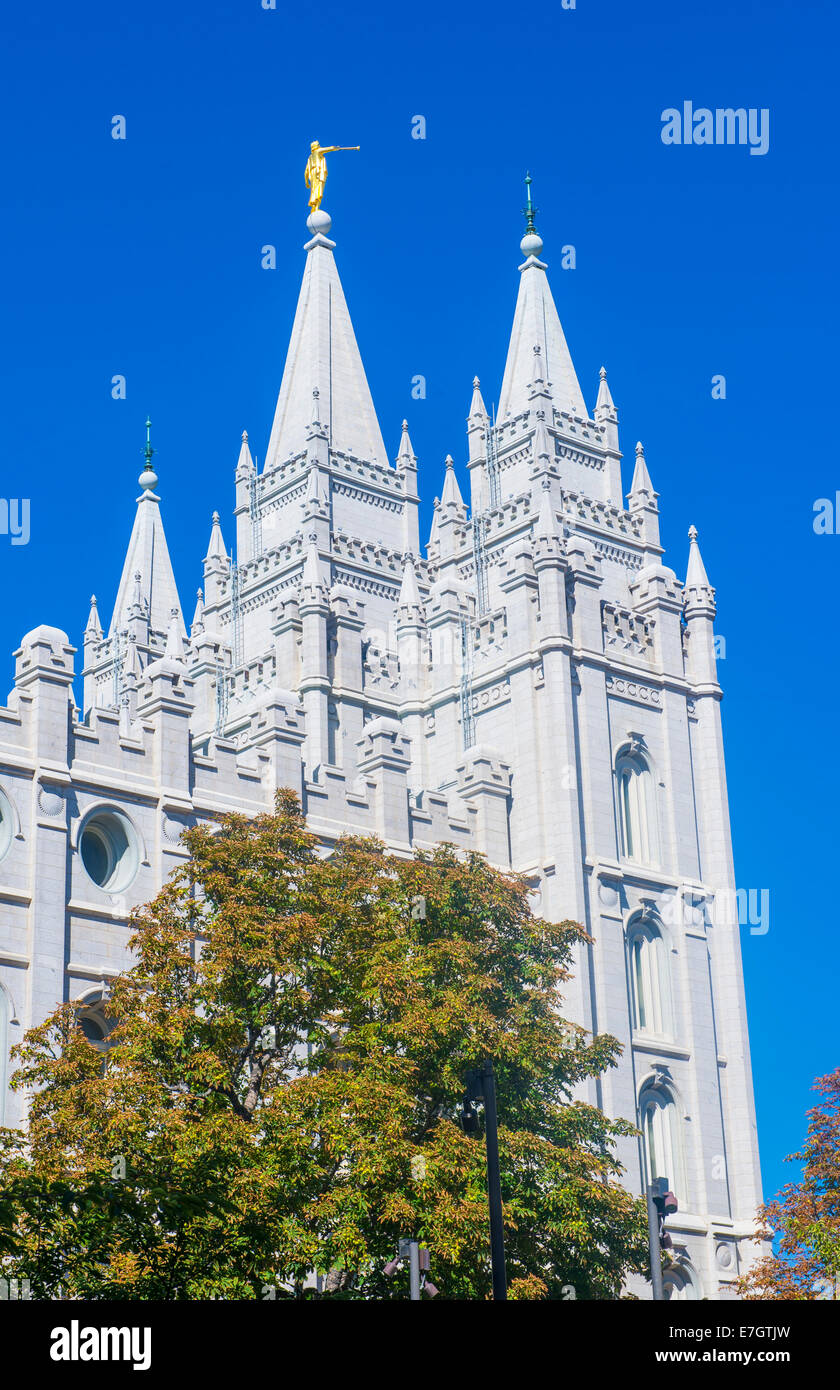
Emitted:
pixel 282 1089
pixel 805 1218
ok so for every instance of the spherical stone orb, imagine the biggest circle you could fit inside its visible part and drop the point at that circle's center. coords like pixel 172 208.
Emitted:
pixel 319 221
pixel 531 244
pixel 148 480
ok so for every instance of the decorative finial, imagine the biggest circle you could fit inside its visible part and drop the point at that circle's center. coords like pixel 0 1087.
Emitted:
pixel 603 373
pixel 476 383
pixel 692 533
pixel 449 461
pixel 404 425
pixel 244 436
pixel 546 484
pixel 531 244
pixel 529 211
pixel 640 450
pixel 215 518
pixel 148 478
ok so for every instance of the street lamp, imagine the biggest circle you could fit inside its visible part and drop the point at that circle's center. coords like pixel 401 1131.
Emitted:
pixel 660 1204
pixel 481 1085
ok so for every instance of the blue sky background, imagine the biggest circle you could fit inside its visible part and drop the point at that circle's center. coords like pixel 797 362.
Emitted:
pixel 142 257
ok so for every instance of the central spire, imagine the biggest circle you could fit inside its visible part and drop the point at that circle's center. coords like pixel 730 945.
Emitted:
pixel 536 323
pixel 324 356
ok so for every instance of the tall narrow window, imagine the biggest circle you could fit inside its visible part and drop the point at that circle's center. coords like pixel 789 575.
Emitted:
pixel 650 981
pixel 637 809
pixel 662 1138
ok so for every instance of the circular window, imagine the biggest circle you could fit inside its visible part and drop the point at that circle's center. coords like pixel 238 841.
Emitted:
pixel 6 824
pixel 108 846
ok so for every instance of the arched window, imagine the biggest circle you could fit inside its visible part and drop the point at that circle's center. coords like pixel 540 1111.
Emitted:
pixel 680 1284
pixel 650 980
pixel 95 1022
pixel 636 809
pixel 660 1123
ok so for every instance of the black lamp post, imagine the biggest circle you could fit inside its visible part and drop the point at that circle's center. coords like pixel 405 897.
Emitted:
pixel 481 1085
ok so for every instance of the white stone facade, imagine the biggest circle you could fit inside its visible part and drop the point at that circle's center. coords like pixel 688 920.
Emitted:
pixel 539 686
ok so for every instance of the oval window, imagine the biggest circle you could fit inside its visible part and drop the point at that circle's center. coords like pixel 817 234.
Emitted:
pixel 108 846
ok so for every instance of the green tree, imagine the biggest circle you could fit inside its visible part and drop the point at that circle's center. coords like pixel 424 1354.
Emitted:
pixel 805 1217
pixel 282 1089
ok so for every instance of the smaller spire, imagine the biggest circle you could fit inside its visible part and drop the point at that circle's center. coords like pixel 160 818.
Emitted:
pixel 478 410
pixel 696 576
pixel 132 668
pixel 216 549
pixel 315 430
pixel 538 386
pixel 93 628
pixel 547 519
pixel 148 479
pixel 137 606
pixel 245 464
pixel 451 490
pixel 174 650
pixel 641 477
pixel 605 405
pixel 311 577
pixel 313 498
pixel 541 444
pixel 409 604
pixel 406 457
pixel 198 615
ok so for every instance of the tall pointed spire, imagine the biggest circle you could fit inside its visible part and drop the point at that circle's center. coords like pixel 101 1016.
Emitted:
pixel 323 352
pixel 147 552
pixel 536 322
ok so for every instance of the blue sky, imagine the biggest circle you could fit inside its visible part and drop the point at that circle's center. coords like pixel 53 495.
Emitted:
pixel 142 257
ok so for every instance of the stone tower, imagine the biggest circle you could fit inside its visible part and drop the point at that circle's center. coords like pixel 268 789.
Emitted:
pixel 538 686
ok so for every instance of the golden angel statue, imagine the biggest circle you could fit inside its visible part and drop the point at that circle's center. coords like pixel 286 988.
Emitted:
pixel 315 172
